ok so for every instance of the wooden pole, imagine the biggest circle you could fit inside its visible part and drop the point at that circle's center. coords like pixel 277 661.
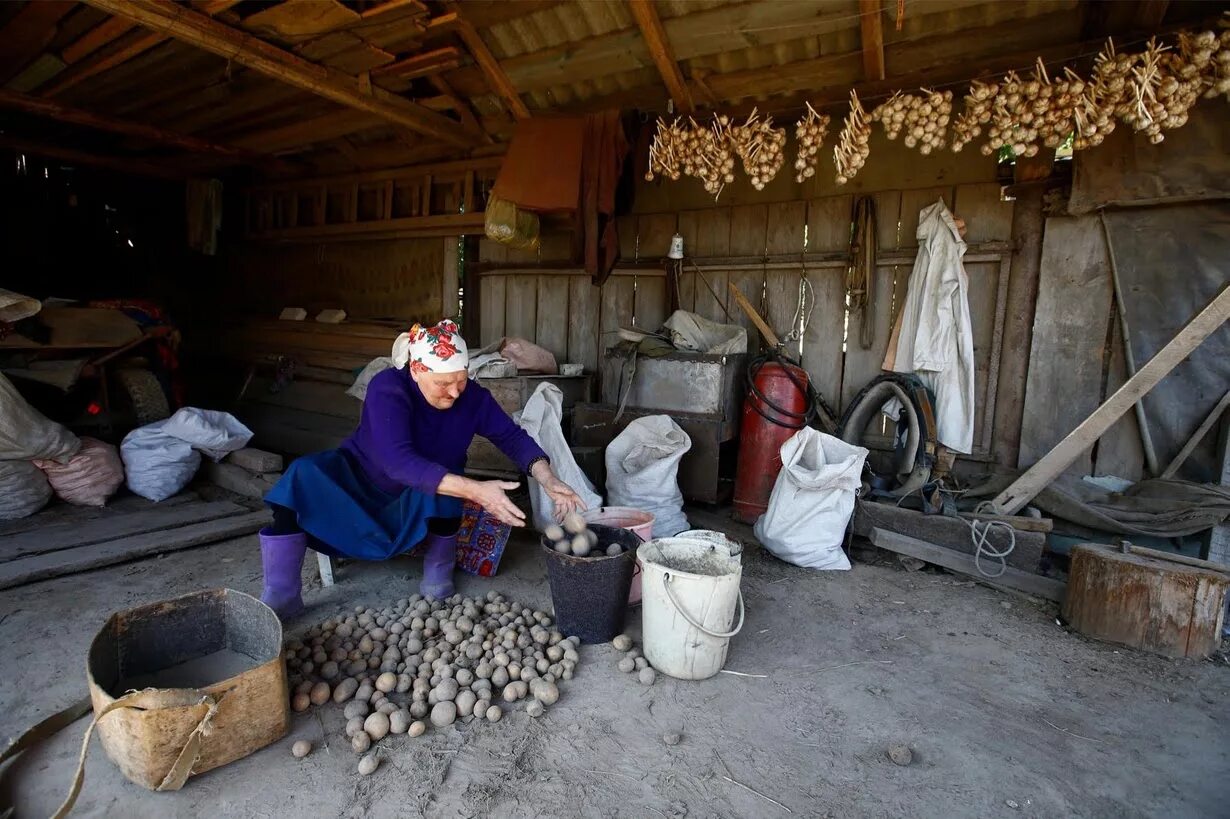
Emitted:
pixel 646 16
pixel 497 78
pixel 1197 437
pixel 871 24
pixel 121 164
pixel 203 32
pixel 1053 463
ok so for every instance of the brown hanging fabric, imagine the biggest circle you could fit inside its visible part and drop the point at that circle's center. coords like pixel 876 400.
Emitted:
pixel 861 274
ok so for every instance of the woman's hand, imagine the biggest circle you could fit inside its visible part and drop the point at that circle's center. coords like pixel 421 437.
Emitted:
pixel 562 496
pixel 491 495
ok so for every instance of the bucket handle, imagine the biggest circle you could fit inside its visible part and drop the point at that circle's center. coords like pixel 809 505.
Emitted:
pixel 666 583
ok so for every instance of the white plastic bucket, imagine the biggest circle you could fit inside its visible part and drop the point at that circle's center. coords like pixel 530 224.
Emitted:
pixel 690 591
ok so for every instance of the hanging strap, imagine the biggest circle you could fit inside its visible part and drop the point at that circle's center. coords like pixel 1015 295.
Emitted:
pixel 151 699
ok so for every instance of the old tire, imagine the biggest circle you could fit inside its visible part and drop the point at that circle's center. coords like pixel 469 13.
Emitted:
pixel 145 394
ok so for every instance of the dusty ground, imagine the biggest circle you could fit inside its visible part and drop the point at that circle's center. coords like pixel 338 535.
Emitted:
pixel 1006 712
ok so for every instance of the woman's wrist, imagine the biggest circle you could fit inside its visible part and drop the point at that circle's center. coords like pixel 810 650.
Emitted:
pixel 540 469
pixel 456 486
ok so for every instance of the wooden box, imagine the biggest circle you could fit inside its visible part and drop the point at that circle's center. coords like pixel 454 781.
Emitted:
pixel 482 458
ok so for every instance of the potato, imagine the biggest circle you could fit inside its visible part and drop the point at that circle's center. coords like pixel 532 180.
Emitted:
pixel 356 708
pixel 328 669
pixel 399 721
pixel 465 703
pixel 545 692
pixel 480 707
pixel 418 710
pixel 494 713
pixel 641 663
pixel 574 523
pixel 387 708
pixel 627 664
pixel 634 652
pixel 353 726
pixel 555 653
pixel 300 703
pixel 444 714
pixel 554 532
pixel 647 676
pixel 320 693
pixel 345 689
pixel 301 749
pixel 671 738
pixel 404 682
pixel 464 676
pixel 416 729
pixel 360 742
pixel 614 549
pixel 368 765
pixel 564 547
pixel 499 677
pixel 535 708
pixel 581 545
pixel 304 687
pixel 377 726
pixel 386 682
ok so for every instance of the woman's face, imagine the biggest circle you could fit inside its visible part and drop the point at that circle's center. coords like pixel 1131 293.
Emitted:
pixel 441 389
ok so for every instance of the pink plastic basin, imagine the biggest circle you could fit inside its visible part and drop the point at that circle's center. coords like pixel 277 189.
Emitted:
pixel 624 517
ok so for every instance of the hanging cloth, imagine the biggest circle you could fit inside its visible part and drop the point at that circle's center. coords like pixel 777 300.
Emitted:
pixel 204 211
pixel 936 339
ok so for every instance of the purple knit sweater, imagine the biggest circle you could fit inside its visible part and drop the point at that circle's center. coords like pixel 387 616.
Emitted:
pixel 402 441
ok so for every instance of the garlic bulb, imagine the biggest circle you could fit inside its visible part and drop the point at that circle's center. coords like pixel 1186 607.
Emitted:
pixel 809 133
pixel 853 143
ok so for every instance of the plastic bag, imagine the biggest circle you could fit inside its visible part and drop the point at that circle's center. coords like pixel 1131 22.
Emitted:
pixel 14 306
pixel 90 478
pixel 27 434
pixel 812 500
pixel 509 225
pixel 541 419
pixel 698 334
pixel 213 432
pixel 642 471
pixel 23 489
pixel 157 465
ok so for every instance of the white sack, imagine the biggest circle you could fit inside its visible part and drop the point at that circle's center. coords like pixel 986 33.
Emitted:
pixel 374 368
pixel 23 489
pixel 14 306
pixel 90 478
pixel 812 500
pixel 541 419
pixel 26 434
pixel 698 334
pixel 213 432
pixel 642 469
pixel 157 465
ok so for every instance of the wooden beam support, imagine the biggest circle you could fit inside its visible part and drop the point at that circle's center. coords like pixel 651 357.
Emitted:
pixel 391 5
pixel 490 66
pixel 423 64
pixel 308 131
pixel 871 23
pixel 201 31
pixel 28 33
pixel 63 113
pixel 138 46
pixel 101 35
pixel 463 109
pixel 647 20
pixel 120 164
pixel 1053 463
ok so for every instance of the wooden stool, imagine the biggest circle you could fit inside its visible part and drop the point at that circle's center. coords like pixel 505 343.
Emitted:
pixel 1145 602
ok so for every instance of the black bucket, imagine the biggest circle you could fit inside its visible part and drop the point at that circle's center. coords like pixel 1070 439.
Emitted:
pixel 591 593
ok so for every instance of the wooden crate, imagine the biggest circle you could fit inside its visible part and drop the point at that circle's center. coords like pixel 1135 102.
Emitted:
pixel 511 394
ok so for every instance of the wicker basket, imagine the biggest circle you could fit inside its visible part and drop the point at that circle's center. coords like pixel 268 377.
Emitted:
pixel 169 734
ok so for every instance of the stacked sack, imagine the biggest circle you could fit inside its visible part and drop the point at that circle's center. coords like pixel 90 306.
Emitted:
pixel 161 458
pixel 26 436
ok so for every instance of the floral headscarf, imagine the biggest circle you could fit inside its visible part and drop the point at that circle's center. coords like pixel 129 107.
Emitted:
pixel 438 349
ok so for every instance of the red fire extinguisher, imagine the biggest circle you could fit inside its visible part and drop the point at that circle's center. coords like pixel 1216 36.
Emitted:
pixel 778 405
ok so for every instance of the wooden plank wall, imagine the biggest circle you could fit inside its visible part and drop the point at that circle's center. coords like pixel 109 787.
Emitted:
pixel 770 252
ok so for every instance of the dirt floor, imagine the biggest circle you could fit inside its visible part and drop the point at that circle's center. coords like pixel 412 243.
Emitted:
pixel 1006 712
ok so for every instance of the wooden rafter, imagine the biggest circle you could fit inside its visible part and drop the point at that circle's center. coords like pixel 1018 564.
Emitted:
pixel 462 107
pixel 115 163
pixel 262 57
pixel 423 64
pixel 490 66
pixel 308 132
pixel 28 33
pixel 871 23
pixel 650 24
pixel 106 33
pixel 391 5
pixel 76 116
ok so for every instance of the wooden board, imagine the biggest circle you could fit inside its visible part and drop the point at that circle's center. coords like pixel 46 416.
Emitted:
pixel 650 305
pixel 293 432
pixel 583 317
pixel 1120 452
pixel 653 239
pixel 493 290
pixel 786 224
pixel 781 303
pixel 751 285
pixel 988 218
pixel 828 224
pixel 712 295
pixel 618 301
pixel 521 307
pixel 71 517
pixel 1154 605
pixel 1014 579
pixel 56 537
pixel 552 312
pixel 73 561
pixel 863 365
pixel 307 396
pixel 1069 337
pixel 748 229
pixel 823 357
pixel 712 234
pixel 982 293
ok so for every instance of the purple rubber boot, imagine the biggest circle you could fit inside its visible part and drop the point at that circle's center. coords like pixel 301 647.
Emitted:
pixel 282 558
pixel 439 557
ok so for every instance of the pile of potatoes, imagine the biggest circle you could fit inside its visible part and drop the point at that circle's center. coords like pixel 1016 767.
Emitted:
pixel 633 660
pixel 431 661
pixel 577 539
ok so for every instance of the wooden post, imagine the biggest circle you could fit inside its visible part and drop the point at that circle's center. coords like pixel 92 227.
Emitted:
pixel 872 30
pixel 1053 463
pixel 646 16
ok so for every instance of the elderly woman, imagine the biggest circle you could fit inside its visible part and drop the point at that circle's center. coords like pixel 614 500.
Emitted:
pixel 398 482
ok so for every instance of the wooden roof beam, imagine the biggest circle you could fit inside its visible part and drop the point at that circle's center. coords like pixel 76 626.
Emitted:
pixel 114 163
pixel 423 64
pixel 871 23
pixel 76 116
pixel 490 66
pixel 208 34
pixel 650 24
pixel 106 33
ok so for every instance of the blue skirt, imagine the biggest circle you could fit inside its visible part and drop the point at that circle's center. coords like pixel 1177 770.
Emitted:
pixel 340 508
